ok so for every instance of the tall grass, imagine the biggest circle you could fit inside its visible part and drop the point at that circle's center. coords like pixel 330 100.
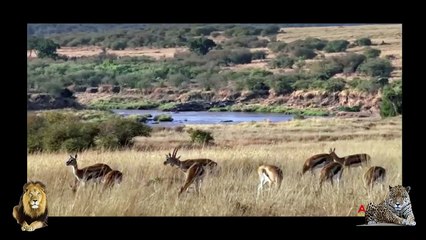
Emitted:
pixel 150 189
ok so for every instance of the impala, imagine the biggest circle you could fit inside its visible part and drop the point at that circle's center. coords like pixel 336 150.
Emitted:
pixel 94 172
pixel 375 174
pixel 269 174
pixel 317 161
pixel 351 160
pixel 194 169
pixel 332 171
pixel 112 178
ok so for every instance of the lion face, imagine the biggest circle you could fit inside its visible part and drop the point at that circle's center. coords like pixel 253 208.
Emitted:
pixel 34 198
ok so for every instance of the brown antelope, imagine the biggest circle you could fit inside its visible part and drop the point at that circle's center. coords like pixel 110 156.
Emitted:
pixel 194 169
pixel 269 174
pixel 354 160
pixel 332 171
pixel 94 172
pixel 112 178
pixel 375 174
pixel 317 161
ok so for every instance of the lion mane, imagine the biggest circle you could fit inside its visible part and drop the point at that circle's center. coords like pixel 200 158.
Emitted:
pixel 32 211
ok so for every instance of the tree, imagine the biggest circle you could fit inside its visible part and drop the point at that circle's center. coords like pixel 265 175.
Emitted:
pixel 201 45
pixel 43 47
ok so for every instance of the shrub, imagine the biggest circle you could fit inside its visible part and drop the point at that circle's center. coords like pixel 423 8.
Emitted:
pixel 124 130
pixel 163 118
pixel 303 53
pixel 334 85
pixel 315 43
pixel 391 104
pixel 242 56
pixel 282 61
pixel 119 45
pixel 349 62
pixel 376 68
pixel 363 42
pixel 336 46
pixel 371 52
pixel 270 30
pixel 258 55
pixel 256 84
pixel 370 86
pixel 200 136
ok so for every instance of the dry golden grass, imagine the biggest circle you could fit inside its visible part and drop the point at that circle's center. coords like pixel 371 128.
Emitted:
pixel 150 189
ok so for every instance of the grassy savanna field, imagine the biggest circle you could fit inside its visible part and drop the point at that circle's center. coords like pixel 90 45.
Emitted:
pixel 150 189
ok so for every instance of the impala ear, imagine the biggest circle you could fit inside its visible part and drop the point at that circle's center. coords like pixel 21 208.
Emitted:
pixel 408 188
pixel 390 187
pixel 75 156
pixel 178 157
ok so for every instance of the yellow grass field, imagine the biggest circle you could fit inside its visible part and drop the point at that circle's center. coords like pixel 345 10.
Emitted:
pixel 150 189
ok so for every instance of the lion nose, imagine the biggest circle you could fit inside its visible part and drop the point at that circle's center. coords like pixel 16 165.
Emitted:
pixel 34 201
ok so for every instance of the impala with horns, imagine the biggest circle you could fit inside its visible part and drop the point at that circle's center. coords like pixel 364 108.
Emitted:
pixel 354 160
pixel 94 172
pixel 316 162
pixel 269 174
pixel 332 171
pixel 112 178
pixel 375 174
pixel 194 169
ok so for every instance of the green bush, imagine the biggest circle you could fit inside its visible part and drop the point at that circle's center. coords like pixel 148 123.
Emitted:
pixel 119 45
pixel 334 85
pixel 122 129
pixel 336 46
pixel 200 136
pixel 363 42
pixel 303 53
pixel 242 56
pixel 163 118
pixel 371 52
pixel 391 104
pixel 349 62
pixel 270 30
pixel 258 55
pixel 256 84
pixel 376 67
pixel 370 86
pixel 315 43
pixel 282 61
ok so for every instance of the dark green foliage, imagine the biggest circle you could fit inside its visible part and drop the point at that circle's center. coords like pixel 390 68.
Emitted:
pixel 282 61
pixel 200 136
pixel 163 118
pixel 256 84
pixel 364 85
pixel 45 48
pixel 363 42
pixel 391 104
pixel 376 67
pixel 372 52
pixel 121 131
pixel 258 55
pixel 349 109
pixel 270 30
pixel 55 131
pixel 334 85
pixel 303 53
pixel 201 45
pixel 336 46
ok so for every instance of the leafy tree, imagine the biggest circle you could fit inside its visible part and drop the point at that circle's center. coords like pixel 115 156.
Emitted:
pixel 201 45
pixel 43 47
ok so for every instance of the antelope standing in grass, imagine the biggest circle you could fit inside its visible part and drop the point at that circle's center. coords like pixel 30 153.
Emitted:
pixel 94 172
pixel 317 161
pixel 195 169
pixel 269 174
pixel 354 160
pixel 112 178
pixel 332 171
pixel 373 175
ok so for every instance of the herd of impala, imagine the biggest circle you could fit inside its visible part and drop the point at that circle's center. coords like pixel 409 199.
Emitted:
pixel 195 170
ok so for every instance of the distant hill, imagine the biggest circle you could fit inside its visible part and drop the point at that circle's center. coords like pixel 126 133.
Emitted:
pixel 49 29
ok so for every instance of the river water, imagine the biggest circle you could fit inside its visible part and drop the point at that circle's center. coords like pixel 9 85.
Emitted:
pixel 181 118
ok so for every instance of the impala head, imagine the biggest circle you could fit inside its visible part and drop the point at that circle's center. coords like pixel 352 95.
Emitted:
pixel 72 161
pixel 171 158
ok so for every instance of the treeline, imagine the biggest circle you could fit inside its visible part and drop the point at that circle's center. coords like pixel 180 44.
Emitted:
pixel 49 29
